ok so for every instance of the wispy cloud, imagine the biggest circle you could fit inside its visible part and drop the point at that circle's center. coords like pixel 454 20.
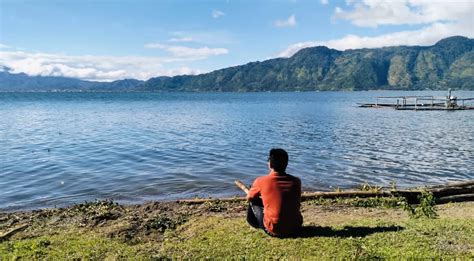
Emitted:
pixel 216 13
pixel 181 39
pixel 207 37
pixel 441 20
pixel 324 2
pixel 290 22
pixel 190 53
pixel 87 67
pixel 4 46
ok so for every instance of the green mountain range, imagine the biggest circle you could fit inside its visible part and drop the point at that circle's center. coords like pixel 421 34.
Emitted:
pixel 447 64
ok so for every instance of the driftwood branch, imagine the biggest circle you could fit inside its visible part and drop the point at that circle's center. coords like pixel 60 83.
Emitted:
pixel 11 232
pixel 241 185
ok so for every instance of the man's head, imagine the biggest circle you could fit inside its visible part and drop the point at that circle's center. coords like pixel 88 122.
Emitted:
pixel 278 160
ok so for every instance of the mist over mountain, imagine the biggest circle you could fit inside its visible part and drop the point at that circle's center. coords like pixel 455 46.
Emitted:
pixel 447 64
pixel 23 82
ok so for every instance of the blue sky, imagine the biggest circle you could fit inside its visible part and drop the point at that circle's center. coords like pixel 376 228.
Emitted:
pixel 110 39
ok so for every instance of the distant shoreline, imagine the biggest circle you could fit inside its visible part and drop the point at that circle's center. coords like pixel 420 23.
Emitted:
pixel 305 91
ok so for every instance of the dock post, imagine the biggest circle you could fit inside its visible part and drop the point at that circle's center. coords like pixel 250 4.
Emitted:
pixel 416 103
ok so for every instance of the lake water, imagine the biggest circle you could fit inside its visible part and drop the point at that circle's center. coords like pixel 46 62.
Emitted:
pixel 64 148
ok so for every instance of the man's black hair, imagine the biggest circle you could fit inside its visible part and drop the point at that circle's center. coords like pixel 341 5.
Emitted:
pixel 278 159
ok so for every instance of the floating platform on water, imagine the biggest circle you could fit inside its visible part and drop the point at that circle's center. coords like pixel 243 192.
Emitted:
pixel 422 103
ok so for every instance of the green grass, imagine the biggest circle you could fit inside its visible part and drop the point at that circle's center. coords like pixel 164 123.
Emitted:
pixel 353 231
pixel 220 237
pixel 66 245
pixel 232 238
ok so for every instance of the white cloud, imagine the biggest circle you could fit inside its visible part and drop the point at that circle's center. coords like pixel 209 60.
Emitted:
pixel 324 2
pixel 211 37
pixel 185 52
pixel 181 39
pixel 290 22
pixel 372 13
pixel 216 13
pixel 440 19
pixel 4 46
pixel 110 68
pixel 86 67
pixel 181 71
pixel 425 36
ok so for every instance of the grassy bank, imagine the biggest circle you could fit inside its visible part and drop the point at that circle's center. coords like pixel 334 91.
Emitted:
pixel 333 228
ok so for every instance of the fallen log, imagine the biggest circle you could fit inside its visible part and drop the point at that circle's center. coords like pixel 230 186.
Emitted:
pixel 345 194
pixel 455 184
pixel 441 193
pixel 455 198
pixel 304 197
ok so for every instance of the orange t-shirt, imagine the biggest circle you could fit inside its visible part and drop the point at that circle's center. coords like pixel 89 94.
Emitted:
pixel 281 196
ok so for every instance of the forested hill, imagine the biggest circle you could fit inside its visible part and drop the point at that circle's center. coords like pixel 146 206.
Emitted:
pixel 448 63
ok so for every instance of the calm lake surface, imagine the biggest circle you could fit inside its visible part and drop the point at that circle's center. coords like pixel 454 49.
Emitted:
pixel 64 148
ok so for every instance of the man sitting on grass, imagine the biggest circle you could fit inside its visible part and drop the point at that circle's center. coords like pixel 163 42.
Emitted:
pixel 274 199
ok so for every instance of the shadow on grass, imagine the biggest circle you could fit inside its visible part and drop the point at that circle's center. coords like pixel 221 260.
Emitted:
pixel 348 231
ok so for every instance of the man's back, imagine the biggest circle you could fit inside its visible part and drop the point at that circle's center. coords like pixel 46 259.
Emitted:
pixel 281 196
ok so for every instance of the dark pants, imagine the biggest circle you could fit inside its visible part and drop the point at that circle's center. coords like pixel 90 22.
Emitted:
pixel 255 214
